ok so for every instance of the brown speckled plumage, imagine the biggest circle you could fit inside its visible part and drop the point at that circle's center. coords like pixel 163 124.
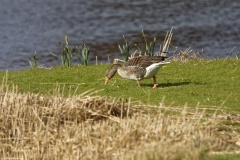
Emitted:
pixel 144 61
pixel 135 68
pixel 132 70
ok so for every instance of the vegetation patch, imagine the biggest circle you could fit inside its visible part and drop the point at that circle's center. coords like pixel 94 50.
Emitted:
pixel 35 126
pixel 207 83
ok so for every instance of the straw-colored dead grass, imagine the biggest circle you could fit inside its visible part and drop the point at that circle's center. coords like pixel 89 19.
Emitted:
pixel 187 54
pixel 87 127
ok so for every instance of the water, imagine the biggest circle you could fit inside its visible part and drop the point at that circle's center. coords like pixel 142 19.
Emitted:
pixel 27 26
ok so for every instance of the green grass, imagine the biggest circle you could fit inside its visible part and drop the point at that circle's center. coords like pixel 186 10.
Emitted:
pixel 211 83
pixel 225 157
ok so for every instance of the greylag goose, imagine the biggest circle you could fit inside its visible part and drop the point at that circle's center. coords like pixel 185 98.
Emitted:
pixel 138 68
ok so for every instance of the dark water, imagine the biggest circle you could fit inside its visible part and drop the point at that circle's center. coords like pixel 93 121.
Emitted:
pixel 27 26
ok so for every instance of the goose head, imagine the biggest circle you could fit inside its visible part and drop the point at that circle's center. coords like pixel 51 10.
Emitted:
pixel 111 72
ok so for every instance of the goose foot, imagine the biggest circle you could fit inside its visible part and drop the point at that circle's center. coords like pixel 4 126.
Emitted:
pixel 155 86
pixel 154 82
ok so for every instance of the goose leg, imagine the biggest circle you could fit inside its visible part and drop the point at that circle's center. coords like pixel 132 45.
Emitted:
pixel 154 82
pixel 138 82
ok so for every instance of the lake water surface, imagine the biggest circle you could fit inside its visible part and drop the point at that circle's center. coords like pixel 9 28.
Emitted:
pixel 27 26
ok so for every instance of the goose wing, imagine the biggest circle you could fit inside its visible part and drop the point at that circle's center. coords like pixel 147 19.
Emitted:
pixel 144 61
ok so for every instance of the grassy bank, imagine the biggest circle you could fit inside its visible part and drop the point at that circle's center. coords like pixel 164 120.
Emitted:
pixel 205 83
pixel 47 115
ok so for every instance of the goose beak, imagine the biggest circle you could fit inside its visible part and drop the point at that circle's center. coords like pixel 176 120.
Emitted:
pixel 106 80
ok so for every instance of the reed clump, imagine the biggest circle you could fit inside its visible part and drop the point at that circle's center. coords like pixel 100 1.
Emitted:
pixel 34 126
pixel 33 61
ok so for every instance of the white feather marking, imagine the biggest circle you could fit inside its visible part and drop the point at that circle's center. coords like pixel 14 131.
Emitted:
pixel 153 69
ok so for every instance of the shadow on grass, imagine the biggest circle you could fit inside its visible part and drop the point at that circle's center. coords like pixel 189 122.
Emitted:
pixel 177 84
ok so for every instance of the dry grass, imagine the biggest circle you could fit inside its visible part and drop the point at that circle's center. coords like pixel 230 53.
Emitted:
pixel 185 55
pixel 87 127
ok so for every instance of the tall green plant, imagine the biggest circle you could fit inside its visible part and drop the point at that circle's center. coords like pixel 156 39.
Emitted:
pixel 83 53
pixel 66 53
pixel 149 46
pixel 33 61
pixel 125 49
